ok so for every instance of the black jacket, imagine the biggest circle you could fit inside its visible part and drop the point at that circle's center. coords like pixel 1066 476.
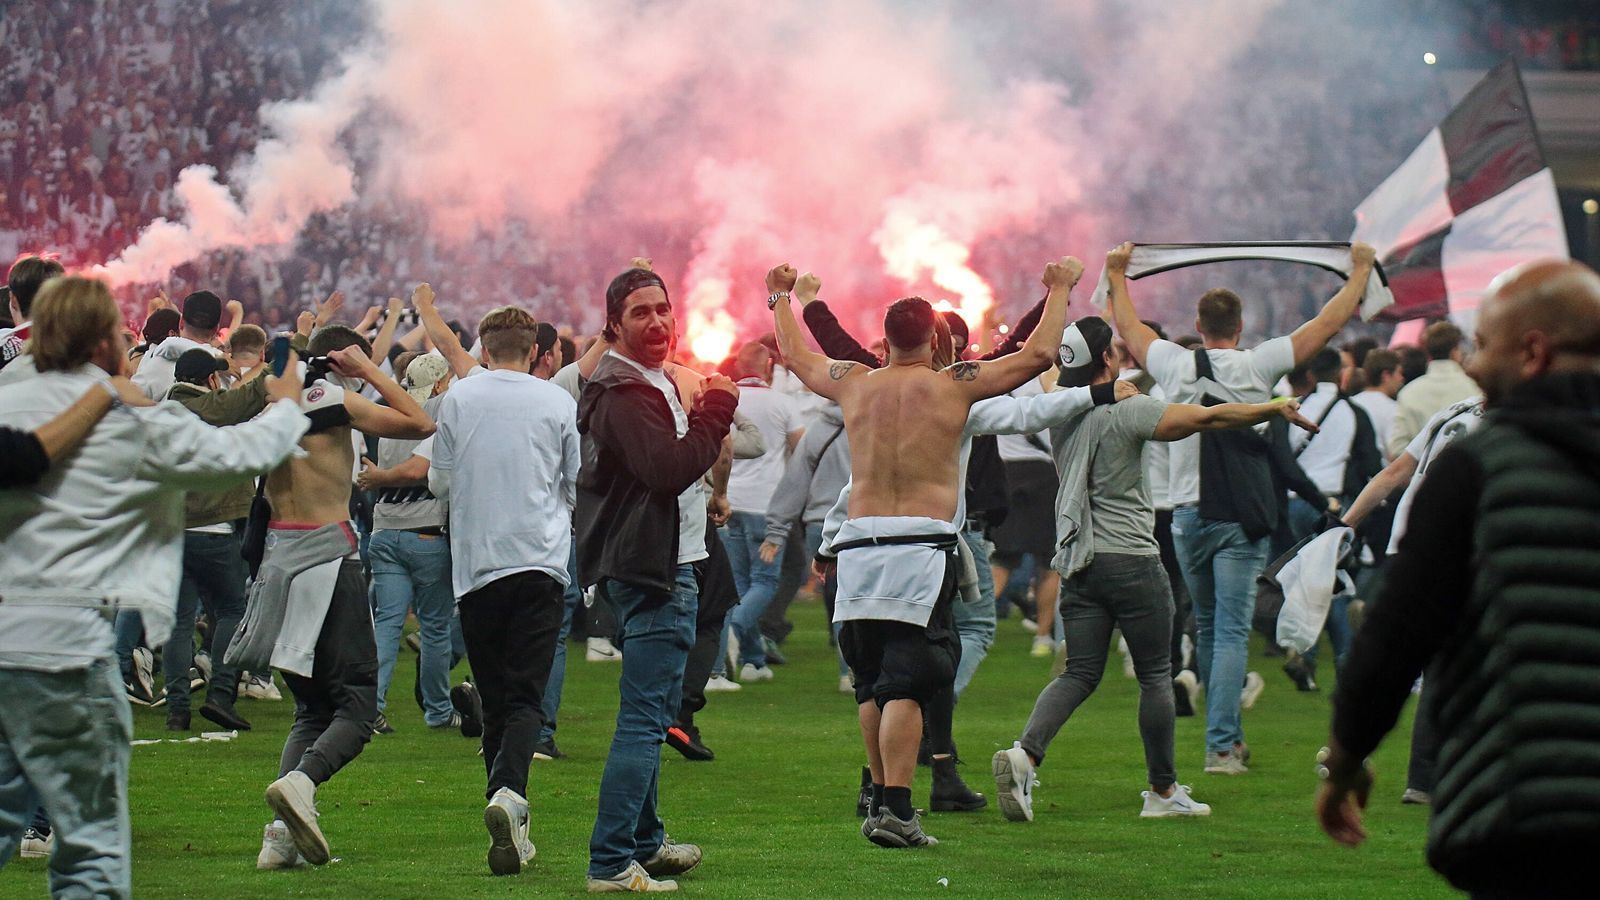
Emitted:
pixel 634 467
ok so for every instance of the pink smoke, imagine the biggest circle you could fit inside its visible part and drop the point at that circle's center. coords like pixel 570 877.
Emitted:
pixel 876 143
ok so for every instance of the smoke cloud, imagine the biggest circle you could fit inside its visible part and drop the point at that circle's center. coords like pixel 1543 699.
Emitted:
pixel 893 147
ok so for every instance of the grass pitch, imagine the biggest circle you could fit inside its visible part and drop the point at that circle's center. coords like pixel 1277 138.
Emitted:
pixel 774 812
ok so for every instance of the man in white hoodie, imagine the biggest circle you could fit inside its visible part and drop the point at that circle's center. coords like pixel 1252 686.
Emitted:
pixel 103 530
pixel 202 316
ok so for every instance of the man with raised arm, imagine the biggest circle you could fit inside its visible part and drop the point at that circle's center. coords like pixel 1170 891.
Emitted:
pixel 897 559
pixel 308 613
pixel 1224 505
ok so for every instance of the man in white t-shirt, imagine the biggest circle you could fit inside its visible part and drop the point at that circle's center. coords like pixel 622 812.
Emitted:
pixel 1220 558
pixel 1384 377
pixel 750 487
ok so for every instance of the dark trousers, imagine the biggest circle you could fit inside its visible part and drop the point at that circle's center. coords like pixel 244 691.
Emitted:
pixel 511 625
pixel 335 707
pixel 794 565
pixel 1182 609
pixel 717 596
pixel 213 575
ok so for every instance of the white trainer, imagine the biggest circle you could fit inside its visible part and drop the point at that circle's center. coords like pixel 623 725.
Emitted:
pixel 634 879
pixel 1225 764
pixel 294 798
pixel 1191 686
pixel 1014 779
pixel 34 845
pixel 506 817
pixel 752 672
pixel 599 649
pixel 722 683
pixel 1179 804
pixel 1254 684
pixel 277 849
pixel 257 687
pixel 847 685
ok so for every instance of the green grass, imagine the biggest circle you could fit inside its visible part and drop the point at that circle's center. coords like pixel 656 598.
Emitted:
pixel 774 811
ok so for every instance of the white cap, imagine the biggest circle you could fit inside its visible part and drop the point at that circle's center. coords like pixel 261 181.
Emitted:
pixel 1074 351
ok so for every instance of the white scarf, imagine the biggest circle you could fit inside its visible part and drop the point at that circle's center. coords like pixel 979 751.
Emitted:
pixel 1151 259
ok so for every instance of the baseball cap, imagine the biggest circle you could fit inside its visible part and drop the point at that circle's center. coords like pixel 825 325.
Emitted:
pixel 197 366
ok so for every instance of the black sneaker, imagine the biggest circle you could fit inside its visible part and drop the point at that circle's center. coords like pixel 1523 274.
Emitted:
pixel 381 725
pixel 224 715
pixel 686 740
pixel 1302 673
pixel 864 799
pixel 177 721
pixel 546 751
pixel 469 705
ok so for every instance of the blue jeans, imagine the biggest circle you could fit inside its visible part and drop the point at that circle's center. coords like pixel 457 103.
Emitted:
pixel 571 599
pixel 975 621
pixel 1220 565
pixel 128 629
pixel 1303 520
pixel 655 631
pixel 64 743
pixel 756 582
pixel 412 571
pixel 214 575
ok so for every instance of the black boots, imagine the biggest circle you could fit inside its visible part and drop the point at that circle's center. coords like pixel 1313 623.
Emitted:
pixel 950 793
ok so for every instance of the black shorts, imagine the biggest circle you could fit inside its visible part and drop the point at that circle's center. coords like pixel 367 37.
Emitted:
pixel 1030 523
pixel 900 661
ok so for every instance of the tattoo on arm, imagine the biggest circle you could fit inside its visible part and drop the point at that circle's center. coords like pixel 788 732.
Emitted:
pixel 964 371
pixel 839 370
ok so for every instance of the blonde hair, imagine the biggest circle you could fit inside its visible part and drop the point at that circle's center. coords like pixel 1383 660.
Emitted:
pixel 71 316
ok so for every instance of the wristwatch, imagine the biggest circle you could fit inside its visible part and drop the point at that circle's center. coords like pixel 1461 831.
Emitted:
pixel 775 296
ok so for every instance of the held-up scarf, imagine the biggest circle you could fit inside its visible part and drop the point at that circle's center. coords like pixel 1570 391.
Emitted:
pixel 1152 259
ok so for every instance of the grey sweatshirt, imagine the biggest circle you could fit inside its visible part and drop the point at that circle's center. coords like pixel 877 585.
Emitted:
pixel 815 474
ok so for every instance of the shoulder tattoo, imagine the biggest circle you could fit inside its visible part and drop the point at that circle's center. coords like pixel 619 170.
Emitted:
pixel 839 370
pixel 964 371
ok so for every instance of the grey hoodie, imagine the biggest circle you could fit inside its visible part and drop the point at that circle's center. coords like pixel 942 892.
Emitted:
pixel 812 479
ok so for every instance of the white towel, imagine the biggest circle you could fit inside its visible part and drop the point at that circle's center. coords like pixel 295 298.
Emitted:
pixel 1150 259
pixel 894 582
pixel 1309 581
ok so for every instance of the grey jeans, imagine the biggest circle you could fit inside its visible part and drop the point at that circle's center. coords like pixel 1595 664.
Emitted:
pixel 64 743
pixel 1130 592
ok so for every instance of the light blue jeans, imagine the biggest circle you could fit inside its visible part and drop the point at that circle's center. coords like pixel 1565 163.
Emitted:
pixel 1220 565
pixel 655 631
pixel 975 621
pixel 571 600
pixel 412 571
pixel 756 582
pixel 64 743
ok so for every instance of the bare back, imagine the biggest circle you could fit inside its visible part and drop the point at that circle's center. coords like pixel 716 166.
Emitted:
pixel 905 424
pixel 315 490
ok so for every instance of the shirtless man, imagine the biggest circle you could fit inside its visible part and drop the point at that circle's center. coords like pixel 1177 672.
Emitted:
pixel 326 649
pixel 897 558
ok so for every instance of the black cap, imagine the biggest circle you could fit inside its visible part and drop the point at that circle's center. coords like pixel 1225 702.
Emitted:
pixel 959 332
pixel 197 366
pixel 544 338
pixel 202 310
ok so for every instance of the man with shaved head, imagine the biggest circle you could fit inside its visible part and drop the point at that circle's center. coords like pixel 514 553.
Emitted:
pixel 1496 589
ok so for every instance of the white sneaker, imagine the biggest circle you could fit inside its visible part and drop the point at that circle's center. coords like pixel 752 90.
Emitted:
pixel 506 817
pixel 144 670
pixel 37 846
pixel 1179 804
pixel 1411 797
pixel 277 849
pixel 600 649
pixel 256 687
pixel 752 672
pixel 1029 625
pixel 202 664
pixel 847 685
pixel 633 879
pixel 1254 684
pixel 722 683
pixel 294 798
pixel 1191 686
pixel 1225 764
pixel 1043 645
pixel 1015 778
pixel 1127 658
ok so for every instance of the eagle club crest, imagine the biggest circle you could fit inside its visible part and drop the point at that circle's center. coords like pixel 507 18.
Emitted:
pixel 315 394
pixel 1067 355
